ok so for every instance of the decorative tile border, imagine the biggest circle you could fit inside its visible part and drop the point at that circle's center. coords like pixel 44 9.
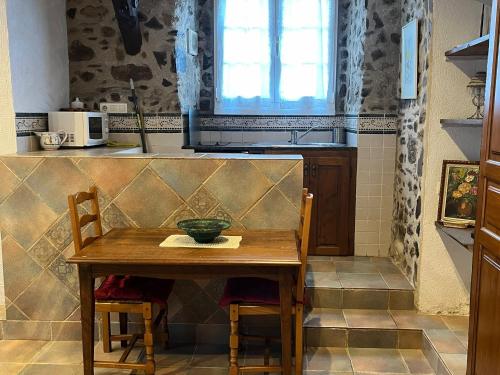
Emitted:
pixel 275 123
pixel 27 123
pixel 155 123
pixel 372 124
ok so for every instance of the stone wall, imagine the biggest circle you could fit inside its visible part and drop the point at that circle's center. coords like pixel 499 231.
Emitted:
pixel 352 29
pixel 405 248
pixel 99 67
pixel 188 67
pixel 206 50
pixel 367 56
pixel 368 50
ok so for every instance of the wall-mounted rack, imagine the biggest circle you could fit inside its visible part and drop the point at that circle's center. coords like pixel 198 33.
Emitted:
pixel 464 237
pixel 475 49
pixel 473 123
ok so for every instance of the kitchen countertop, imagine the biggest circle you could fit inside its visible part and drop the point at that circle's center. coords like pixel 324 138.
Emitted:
pixel 248 147
pixel 136 153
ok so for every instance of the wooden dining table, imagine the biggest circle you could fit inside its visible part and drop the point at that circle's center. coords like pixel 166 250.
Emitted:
pixel 137 252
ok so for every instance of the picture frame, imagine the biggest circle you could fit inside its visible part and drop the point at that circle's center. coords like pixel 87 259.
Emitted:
pixel 458 194
pixel 409 60
pixel 192 42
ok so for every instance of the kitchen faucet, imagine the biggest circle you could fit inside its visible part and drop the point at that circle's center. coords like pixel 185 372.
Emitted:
pixel 294 139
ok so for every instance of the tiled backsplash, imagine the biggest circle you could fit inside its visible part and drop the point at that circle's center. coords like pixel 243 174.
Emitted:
pixel 374 194
pixel 374 135
pixel 42 289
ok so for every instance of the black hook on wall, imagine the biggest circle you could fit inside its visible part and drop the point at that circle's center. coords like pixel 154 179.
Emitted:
pixel 127 15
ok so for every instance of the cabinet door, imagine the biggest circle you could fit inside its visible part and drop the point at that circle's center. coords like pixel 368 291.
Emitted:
pixel 330 182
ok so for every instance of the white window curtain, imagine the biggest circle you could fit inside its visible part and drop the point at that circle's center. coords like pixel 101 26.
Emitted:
pixel 275 56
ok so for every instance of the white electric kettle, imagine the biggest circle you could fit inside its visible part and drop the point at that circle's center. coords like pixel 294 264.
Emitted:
pixel 52 140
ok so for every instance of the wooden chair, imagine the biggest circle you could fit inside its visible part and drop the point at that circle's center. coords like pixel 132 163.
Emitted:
pixel 120 294
pixel 254 296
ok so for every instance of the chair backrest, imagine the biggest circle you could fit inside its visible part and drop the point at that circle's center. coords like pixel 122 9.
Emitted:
pixel 78 222
pixel 303 234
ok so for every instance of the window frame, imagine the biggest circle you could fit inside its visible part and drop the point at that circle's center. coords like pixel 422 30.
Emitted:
pixel 306 106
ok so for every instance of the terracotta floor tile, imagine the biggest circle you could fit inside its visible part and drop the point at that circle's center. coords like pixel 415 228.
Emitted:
pixel 322 280
pixel 110 371
pixel 116 353
pixel 328 359
pixel 396 281
pixel 377 360
pixel 456 363
pixel 177 357
pixel 369 319
pixel 351 259
pixel 445 341
pixel 325 318
pixel 463 337
pixel 60 352
pixel 12 368
pixel 456 323
pixel 356 267
pixel 211 356
pixel 19 351
pixel 416 361
pixel 362 281
pixel 388 268
pixel 207 371
pixel 407 319
pixel 51 369
pixel 172 371
pixel 321 266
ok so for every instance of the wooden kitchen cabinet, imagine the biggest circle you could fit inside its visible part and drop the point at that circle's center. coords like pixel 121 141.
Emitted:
pixel 331 176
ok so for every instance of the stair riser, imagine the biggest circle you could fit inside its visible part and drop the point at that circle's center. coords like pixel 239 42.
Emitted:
pixel 433 357
pixel 361 299
pixel 363 338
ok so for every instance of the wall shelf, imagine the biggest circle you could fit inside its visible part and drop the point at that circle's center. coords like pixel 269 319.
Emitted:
pixel 461 123
pixel 477 48
pixel 464 237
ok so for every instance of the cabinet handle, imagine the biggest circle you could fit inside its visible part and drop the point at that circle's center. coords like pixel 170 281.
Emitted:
pixel 314 167
pixel 306 170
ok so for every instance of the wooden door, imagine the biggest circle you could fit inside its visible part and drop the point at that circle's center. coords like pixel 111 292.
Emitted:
pixel 484 334
pixel 329 181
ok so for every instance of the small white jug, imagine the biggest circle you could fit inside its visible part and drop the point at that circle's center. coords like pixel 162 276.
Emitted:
pixel 52 140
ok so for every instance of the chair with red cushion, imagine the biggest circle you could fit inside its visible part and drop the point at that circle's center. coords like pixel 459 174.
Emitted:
pixel 120 294
pixel 256 296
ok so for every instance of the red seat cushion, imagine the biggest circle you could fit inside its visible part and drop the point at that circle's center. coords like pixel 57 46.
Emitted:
pixel 251 290
pixel 132 288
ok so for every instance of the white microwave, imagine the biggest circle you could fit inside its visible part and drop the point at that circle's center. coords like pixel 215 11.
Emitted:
pixel 84 129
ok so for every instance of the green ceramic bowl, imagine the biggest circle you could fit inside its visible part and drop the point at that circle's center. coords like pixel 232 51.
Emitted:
pixel 203 230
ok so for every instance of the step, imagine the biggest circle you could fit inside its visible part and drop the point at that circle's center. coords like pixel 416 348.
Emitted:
pixel 443 339
pixel 360 329
pixel 357 283
pixel 328 360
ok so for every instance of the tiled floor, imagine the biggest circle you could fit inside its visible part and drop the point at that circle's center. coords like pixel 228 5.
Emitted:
pixel 39 358
pixel 355 273
pixel 361 298
pixel 361 302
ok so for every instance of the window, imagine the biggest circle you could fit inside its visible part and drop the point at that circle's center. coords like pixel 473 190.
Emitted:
pixel 275 56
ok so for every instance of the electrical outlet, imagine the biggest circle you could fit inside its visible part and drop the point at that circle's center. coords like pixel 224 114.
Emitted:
pixel 114 107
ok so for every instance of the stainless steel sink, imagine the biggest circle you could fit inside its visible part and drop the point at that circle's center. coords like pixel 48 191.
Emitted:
pixel 300 145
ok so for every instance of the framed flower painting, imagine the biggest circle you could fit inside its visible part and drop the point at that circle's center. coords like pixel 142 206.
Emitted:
pixel 458 196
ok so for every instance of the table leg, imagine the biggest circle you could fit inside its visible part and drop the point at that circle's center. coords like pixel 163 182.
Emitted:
pixel 286 322
pixel 87 315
